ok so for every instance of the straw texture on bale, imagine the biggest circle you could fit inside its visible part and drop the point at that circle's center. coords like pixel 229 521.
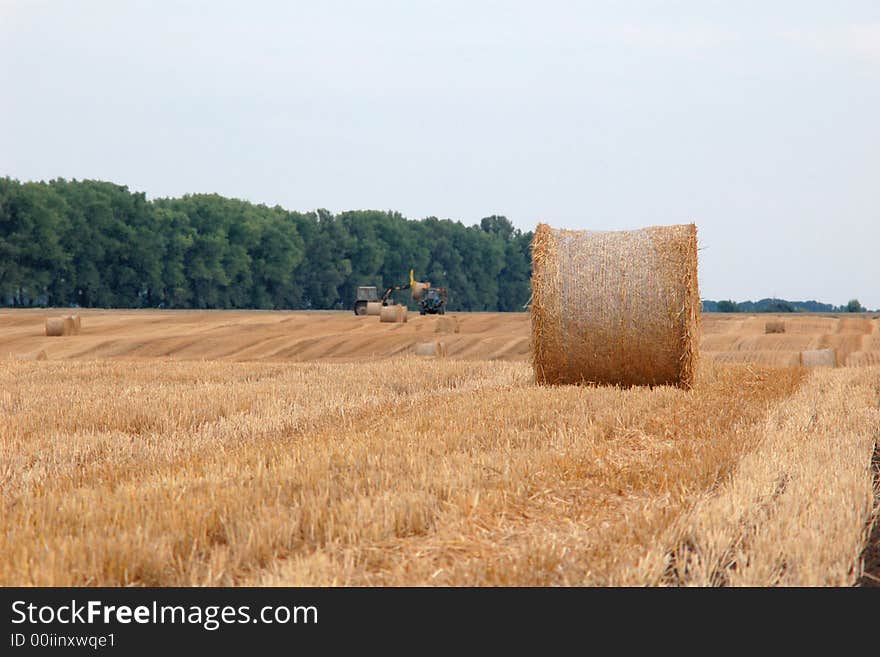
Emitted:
pixel 77 320
pixel 437 349
pixel 615 307
pixel 774 327
pixel 393 314
pixel 73 323
pixel 374 308
pixel 56 326
pixel 69 326
pixel 819 358
pixel 447 325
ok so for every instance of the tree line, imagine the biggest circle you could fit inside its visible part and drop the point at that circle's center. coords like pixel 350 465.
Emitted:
pixel 96 244
pixel 780 306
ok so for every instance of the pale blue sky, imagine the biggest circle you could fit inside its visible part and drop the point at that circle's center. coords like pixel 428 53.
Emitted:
pixel 760 121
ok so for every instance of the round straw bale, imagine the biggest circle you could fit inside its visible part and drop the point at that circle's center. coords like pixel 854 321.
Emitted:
pixel 774 326
pixel 69 326
pixel 56 326
pixel 78 321
pixel 73 324
pixel 437 349
pixel 819 358
pixel 418 290
pixel 388 314
pixel 393 314
pixel 615 307
pixel 374 307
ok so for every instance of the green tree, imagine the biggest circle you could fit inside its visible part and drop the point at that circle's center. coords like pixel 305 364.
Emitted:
pixel 33 260
pixel 94 243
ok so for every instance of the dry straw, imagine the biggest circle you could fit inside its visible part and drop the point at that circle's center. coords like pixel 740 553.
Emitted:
pixel 615 307
pixel 774 327
pixel 819 358
pixel 394 314
pixel 437 349
pixel 374 307
pixel 56 326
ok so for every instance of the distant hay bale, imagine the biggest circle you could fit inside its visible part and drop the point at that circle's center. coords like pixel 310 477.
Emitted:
pixel 418 290
pixel 78 321
pixel 69 326
pixel 394 314
pixel 374 308
pixel 447 325
pixel 436 349
pixel 819 358
pixel 615 307
pixel 772 358
pixel 388 313
pixel 774 327
pixel 56 326
pixel 74 323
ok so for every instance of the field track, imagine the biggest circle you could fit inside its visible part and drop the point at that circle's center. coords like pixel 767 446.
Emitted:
pixel 337 336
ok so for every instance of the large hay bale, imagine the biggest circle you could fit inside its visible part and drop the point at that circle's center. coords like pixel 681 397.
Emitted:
pixel 819 358
pixel 393 314
pixel 447 325
pixel 615 307
pixel 78 321
pixel 69 325
pixel 56 326
pixel 374 308
pixel 774 326
pixel 436 349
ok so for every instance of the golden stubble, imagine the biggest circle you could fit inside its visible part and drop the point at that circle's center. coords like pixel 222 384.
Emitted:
pixel 404 472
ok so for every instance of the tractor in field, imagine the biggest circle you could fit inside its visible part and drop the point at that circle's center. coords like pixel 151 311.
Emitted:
pixel 365 294
pixel 431 300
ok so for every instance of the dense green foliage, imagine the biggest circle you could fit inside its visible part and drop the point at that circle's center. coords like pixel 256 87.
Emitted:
pixel 92 243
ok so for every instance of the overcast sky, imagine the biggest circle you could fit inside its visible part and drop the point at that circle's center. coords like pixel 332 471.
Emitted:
pixel 759 121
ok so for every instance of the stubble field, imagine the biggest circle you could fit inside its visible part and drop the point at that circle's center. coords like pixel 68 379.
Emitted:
pixel 251 448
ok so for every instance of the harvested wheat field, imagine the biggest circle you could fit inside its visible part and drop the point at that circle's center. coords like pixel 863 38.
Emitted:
pixel 182 448
pixel 337 336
